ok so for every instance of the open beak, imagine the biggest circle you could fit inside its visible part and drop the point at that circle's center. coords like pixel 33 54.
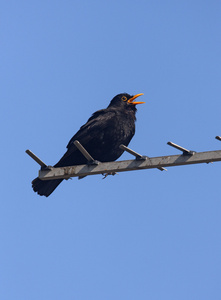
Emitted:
pixel 131 100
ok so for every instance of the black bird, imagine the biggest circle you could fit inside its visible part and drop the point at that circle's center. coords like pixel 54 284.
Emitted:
pixel 101 136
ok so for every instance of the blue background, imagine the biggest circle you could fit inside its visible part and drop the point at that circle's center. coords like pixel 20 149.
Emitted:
pixel 137 235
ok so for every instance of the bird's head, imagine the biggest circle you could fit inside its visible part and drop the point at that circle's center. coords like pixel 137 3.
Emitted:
pixel 125 100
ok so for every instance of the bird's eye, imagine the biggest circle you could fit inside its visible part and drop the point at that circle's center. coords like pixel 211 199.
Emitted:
pixel 124 98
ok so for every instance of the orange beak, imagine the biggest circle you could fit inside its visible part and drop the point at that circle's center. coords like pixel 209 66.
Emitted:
pixel 131 100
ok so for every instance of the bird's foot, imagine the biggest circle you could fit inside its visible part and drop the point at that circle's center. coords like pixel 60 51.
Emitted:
pixel 106 174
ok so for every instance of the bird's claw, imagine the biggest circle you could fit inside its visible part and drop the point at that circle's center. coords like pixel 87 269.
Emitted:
pixel 106 174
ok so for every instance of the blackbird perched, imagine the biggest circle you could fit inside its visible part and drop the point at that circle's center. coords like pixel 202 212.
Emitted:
pixel 101 136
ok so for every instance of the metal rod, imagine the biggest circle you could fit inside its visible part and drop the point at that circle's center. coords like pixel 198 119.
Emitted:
pixel 85 153
pixel 218 137
pixel 130 165
pixel 185 151
pixel 37 159
pixel 137 155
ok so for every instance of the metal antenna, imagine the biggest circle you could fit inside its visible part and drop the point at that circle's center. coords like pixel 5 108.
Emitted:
pixel 141 162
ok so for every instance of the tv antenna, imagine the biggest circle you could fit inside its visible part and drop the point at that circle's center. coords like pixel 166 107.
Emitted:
pixel 140 162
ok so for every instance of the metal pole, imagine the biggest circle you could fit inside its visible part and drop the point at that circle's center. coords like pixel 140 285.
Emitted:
pixel 130 165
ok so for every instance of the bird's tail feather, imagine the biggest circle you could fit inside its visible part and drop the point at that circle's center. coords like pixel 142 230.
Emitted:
pixel 45 187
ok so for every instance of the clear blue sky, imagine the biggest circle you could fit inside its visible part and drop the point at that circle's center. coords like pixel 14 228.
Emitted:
pixel 137 235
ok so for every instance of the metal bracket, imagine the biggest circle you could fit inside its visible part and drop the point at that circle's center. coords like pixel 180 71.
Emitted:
pixel 184 150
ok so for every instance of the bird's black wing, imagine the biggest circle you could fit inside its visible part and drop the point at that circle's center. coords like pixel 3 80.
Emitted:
pixel 94 127
pixel 98 122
